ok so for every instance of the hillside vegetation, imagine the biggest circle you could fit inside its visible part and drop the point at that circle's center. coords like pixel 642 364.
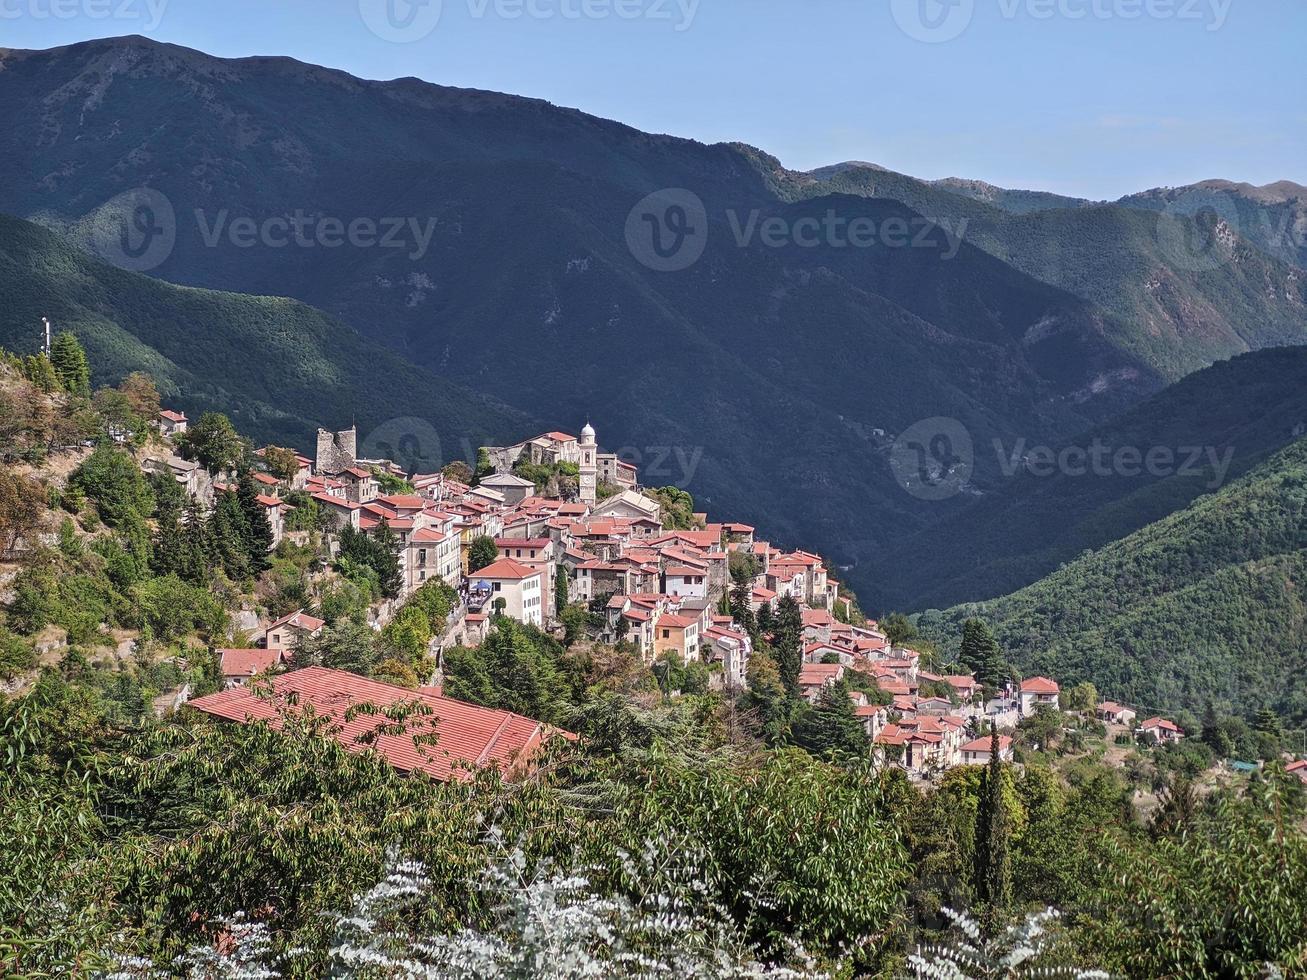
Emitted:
pixel 1206 605
pixel 1207 430
pixel 280 369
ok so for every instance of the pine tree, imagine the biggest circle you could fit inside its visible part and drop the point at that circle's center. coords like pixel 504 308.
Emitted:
pixel 993 872
pixel 980 652
pixel 70 364
pixel 831 727
pixel 258 536
pixel 741 609
pixel 1267 722
pixel 169 539
pixel 386 561
pixel 788 643
pixel 199 554
pixel 230 534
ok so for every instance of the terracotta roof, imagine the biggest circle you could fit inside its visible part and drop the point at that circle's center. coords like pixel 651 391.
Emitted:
pixel 676 622
pixel 811 675
pixel 1039 685
pixel 300 620
pixel 1162 723
pixel 405 501
pixel 528 543
pixel 465 735
pixel 505 568
pixel 983 744
pixel 172 416
pixel 247 663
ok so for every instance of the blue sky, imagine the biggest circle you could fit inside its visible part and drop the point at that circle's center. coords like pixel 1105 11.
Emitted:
pixel 1095 98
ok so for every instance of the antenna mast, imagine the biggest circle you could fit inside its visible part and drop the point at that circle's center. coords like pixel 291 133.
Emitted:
pixel 46 348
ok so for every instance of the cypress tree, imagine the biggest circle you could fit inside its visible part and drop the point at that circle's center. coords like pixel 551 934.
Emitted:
pixel 993 872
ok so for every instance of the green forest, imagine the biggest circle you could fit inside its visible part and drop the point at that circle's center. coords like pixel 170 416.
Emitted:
pixel 1204 606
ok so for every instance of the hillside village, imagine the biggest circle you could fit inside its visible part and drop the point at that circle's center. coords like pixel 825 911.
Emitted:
pixel 673 593
pixel 551 534
pixel 223 665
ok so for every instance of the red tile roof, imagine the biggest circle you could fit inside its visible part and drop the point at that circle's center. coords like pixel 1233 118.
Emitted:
pixel 983 744
pixel 247 663
pixel 504 569
pixel 1161 723
pixel 1039 685
pixel 300 620
pixel 812 675
pixel 676 622
pixel 466 735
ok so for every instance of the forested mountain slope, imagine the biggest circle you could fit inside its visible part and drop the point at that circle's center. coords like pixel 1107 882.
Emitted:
pixel 1185 441
pixel 1207 604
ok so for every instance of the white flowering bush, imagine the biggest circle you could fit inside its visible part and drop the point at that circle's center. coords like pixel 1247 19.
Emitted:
pixel 1014 953
pixel 553 925
pixel 546 924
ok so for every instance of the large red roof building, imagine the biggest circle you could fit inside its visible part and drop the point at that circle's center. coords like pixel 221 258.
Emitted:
pixel 466 737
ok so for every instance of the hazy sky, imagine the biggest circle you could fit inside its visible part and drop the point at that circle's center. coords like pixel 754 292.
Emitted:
pixel 1096 98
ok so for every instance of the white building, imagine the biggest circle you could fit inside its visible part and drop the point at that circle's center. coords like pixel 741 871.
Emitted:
pixel 516 590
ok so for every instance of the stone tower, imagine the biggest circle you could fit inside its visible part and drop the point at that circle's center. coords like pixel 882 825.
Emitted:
pixel 336 451
pixel 589 466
